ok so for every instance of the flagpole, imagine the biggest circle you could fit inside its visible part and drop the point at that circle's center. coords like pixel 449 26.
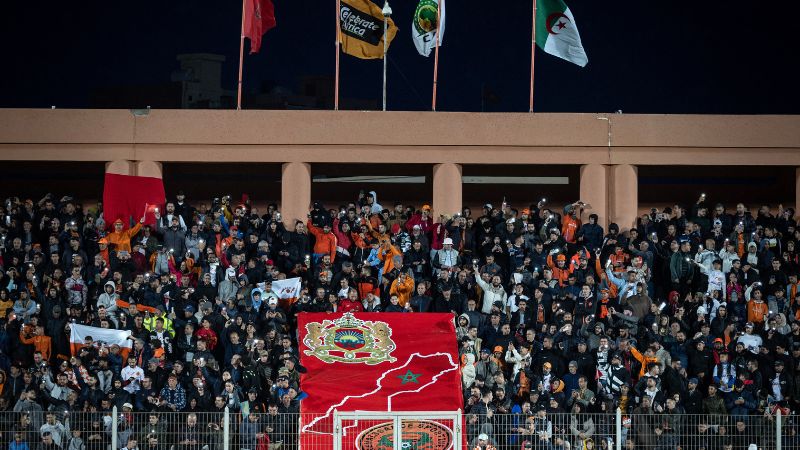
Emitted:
pixel 387 11
pixel 241 61
pixel 436 54
pixel 338 39
pixel 533 52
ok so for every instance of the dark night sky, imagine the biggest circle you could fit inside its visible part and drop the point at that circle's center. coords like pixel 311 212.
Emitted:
pixel 644 56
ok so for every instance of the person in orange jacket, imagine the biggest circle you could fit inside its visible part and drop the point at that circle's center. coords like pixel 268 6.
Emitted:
pixel 102 244
pixel 757 308
pixel 122 238
pixel 560 268
pixel 390 255
pixel 571 222
pixel 403 287
pixel 649 356
pixel 40 341
pixel 325 243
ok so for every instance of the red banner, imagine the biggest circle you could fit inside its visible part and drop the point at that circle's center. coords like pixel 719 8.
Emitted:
pixel 127 197
pixel 376 362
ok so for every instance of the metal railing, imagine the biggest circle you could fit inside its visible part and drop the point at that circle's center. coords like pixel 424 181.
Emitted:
pixel 273 430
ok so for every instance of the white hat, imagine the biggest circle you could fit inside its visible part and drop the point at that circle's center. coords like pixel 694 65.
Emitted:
pixel 230 272
pixel 447 241
pixel 272 301
pixel 483 437
pixel 127 405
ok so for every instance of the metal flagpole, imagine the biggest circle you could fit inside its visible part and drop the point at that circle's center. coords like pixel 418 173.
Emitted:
pixel 241 61
pixel 533 51
pixel 436 54
pixel 387 11
pixel 338 39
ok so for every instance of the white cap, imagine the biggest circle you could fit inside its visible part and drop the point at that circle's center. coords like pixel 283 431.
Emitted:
pixel 483 437
pixel 447 241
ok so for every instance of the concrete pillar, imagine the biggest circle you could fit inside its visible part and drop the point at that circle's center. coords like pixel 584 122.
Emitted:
pixel 295 192
pixel 624 195
pixel 447 195
pixel 797 191
pixel 594 191
pixel 151 169
pixel 120 167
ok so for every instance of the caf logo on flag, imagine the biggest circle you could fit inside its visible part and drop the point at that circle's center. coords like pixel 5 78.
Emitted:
pixel 425 16
pixel 350 340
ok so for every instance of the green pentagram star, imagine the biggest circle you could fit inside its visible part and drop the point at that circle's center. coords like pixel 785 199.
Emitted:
pixel 409 377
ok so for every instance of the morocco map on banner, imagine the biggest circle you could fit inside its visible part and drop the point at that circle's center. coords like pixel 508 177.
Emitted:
pixel 375 362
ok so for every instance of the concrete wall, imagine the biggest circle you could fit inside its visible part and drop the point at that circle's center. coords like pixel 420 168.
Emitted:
pixel 607 147
pixel 421 137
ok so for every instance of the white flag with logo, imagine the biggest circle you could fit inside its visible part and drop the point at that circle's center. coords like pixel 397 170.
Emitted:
pixel 288 288
pixel 423 30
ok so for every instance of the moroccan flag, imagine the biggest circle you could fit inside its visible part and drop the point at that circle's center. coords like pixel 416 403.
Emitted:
pixel 557 33
pixel 128 197
pixel 259 17
pixel 424 28
pixel 362 29
pixel 376 362
pixel 102 338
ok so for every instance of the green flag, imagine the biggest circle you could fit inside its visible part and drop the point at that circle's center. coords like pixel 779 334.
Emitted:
pixel 557 33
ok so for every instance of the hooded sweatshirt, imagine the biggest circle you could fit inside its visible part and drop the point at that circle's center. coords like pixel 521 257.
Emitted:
pixel 376 207
pixel 109 301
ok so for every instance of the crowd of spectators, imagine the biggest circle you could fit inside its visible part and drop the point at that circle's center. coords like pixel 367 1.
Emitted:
pixel 691 310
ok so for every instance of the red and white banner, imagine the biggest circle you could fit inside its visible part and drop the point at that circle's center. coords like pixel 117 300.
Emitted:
pixel 377 362
pixel 102 339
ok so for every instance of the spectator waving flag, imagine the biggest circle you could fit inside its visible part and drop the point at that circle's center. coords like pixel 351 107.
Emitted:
pixel 557 33
pixel 378 362
pixel 102 338
pixel 126 197
pixel 428 19
pixel 288 288
pixel 259 17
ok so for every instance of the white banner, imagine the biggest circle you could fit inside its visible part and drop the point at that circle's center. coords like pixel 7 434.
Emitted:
pixel 105 336
pixel 289 288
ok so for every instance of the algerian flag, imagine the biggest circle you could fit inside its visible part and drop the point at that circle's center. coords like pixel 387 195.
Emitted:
pixel 556 32
pixel 424 27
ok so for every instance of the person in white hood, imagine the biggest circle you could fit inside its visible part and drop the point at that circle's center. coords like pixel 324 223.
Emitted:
pixel 372 201
pixel 108 300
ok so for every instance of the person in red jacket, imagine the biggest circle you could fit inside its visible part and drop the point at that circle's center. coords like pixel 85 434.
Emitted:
pixel 421 218
pixel 351 303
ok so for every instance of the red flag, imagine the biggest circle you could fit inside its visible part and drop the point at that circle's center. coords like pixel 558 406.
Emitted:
pixel 128 197
pixel 376 362
pixel 259 17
